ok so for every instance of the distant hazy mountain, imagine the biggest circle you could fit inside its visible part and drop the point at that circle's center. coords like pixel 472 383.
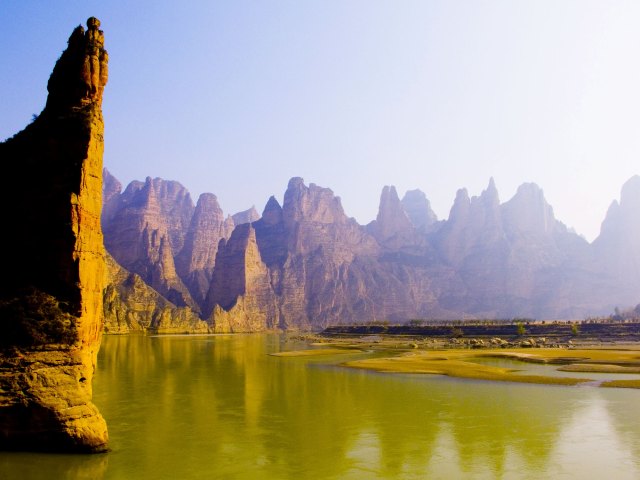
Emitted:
pixel 306 264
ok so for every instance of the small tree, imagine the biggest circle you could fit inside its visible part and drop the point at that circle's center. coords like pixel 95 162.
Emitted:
pixel 520 329
pixel 456 332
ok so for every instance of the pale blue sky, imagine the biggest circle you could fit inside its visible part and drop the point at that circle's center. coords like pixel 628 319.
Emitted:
pixel 236 97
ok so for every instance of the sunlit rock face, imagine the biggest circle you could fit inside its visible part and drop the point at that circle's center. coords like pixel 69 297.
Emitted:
pixel 241 298
pixel 51 313
pixel 130 305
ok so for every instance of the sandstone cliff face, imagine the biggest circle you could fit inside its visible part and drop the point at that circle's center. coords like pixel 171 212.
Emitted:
pixel 54 258
pixel 241 298
pixel 130 305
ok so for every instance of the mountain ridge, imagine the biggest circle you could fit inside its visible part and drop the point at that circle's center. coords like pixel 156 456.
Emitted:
pixel 317 266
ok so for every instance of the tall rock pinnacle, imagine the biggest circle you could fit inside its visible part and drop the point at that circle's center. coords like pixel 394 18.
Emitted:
pixel 52 255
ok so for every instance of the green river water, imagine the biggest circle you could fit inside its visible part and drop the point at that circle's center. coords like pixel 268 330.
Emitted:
pixel 219 407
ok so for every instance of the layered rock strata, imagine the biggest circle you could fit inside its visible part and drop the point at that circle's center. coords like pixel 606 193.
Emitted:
pixel 130 305
pixel 51 316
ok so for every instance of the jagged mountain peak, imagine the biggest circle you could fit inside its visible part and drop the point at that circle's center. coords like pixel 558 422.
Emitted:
pixel 272 213
pixel 295 182
pixel 81 72
pixel 208 201
pixel 312 203
pixel 620 223
pixel 630 194
pixel 418 208
pixel 110 182
pixel 390 203
pixel 392 221
pixel 460 207
pixel 111 186
pixel 528 212
pixel 246 216
pixel 490 196
pixel 312 265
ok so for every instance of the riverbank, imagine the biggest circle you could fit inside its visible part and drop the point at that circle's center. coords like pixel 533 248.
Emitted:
pixel 464 360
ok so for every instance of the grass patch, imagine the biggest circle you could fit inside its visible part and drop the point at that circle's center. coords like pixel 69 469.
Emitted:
pixel 598 368
pixel 554 356
pixel 621 384
pixel 455 366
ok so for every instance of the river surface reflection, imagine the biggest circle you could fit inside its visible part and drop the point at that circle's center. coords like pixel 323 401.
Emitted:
pixel 220 407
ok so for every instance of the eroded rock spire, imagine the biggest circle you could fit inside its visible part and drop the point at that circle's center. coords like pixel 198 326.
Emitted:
pixel 52 253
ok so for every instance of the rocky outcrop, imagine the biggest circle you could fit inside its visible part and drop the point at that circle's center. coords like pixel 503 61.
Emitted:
pixel 53 260
pixel 130 305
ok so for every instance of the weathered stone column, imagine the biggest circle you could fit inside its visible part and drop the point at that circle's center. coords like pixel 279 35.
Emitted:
pixel 52 260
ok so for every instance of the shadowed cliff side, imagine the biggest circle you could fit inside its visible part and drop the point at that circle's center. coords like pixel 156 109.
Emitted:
pixel 52 252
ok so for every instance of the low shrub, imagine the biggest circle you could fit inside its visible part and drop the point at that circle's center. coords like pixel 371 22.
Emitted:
pixel 33 318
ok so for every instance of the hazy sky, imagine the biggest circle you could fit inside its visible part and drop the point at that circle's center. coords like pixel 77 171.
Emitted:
pixel 235 97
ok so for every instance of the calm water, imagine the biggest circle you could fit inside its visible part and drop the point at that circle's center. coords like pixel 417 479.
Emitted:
pixel 220 407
